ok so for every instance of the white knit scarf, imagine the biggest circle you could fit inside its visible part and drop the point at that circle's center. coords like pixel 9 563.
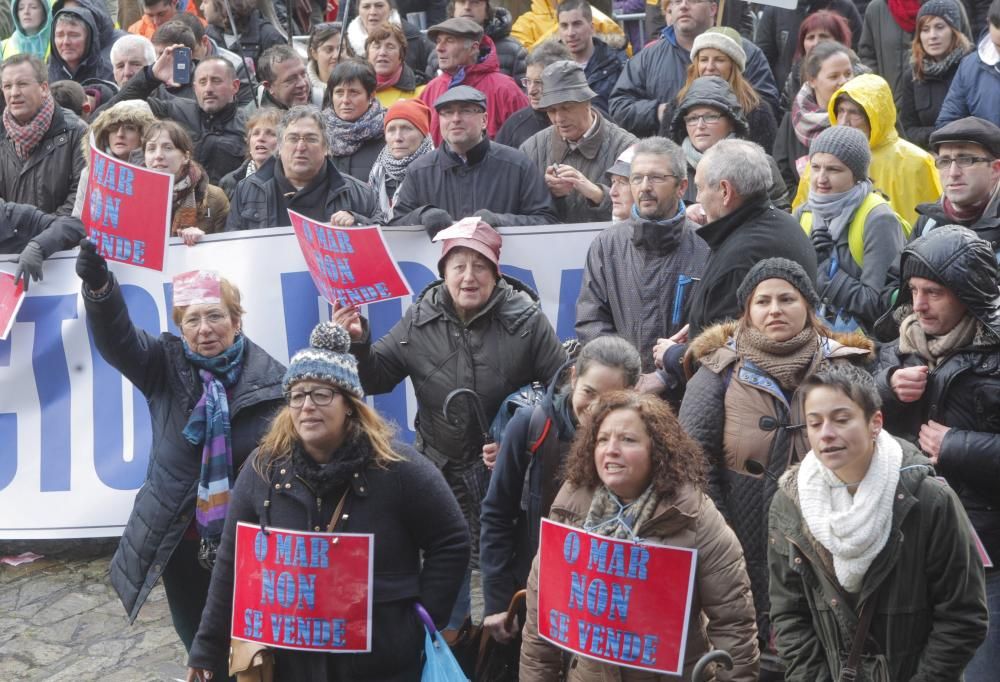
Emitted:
pixel 854 528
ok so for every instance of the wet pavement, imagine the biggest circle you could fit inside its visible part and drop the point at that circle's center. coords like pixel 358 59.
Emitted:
pixel 61 620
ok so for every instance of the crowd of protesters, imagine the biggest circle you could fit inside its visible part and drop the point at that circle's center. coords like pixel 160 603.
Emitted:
pixel 788 330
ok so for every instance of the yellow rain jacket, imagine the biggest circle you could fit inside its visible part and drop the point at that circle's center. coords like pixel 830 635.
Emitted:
pixel 904 172
pixel 540 22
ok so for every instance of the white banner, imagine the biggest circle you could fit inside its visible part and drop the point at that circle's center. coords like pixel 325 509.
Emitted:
pixel 74 434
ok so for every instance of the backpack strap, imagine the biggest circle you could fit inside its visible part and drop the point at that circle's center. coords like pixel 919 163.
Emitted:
pixel 538 429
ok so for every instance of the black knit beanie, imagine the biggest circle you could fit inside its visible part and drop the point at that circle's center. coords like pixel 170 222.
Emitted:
pixel 777 268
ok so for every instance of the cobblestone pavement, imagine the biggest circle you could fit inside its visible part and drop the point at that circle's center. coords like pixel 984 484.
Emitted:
pixel 61 620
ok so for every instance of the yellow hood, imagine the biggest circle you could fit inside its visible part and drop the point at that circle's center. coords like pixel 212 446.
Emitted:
pixel 874 95
pixel 540 23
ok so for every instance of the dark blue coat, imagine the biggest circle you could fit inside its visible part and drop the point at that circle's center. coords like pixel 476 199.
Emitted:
pixel 165 504
pixel 975 91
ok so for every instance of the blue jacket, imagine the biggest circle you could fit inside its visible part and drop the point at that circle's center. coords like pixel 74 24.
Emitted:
pixel 975 91
pixel 657 74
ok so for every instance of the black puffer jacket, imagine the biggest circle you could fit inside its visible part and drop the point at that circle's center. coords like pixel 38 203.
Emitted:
pixel 602 70
pixel 255 202
pixel 156 366
pixel 95 63
pixel 418 49
pixel 921 104
pixel 963 390
pixel 493 177
pixel 421 551
pixel 778 30
pixel 510 53
pixel 507 344
pixel 20 224
pixel 219 139
pixel 521 125
pixel 48 179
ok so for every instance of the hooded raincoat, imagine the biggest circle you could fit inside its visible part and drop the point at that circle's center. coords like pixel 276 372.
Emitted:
pixel 901 170
pixel 94 63
pixel 19 42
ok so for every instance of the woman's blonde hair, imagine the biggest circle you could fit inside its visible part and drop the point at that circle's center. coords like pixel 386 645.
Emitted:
pixel 745 93
pixel 277 444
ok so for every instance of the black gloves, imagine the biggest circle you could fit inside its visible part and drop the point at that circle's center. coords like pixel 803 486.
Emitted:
pixel 91 266
pixel 29 263
pixel 822 241
pixel 434 220
pixel 489 217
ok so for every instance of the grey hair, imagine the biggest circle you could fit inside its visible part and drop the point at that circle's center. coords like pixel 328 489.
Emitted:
pixel 548 52
pixel 131 41
pixel 741 163
pixel 661 146
pixel 300 112
pixel 852 381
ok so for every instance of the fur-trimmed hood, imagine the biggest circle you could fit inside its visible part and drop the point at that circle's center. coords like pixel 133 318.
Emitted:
pixel 135 112
pixel 720 336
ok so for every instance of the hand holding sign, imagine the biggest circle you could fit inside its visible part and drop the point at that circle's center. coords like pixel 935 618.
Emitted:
pixel 348 317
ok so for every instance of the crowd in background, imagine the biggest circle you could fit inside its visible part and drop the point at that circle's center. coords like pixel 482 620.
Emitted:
pixel 791 316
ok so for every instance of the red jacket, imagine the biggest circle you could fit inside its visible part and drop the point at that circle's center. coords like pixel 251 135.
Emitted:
pixel 503 95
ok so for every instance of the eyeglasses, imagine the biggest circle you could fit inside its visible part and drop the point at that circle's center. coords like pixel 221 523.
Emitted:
pixel 963 161
pixel 529 82
pixel 310 140
pixel 656 179
pixel 194 322
pixel 321 397
pixel 707 119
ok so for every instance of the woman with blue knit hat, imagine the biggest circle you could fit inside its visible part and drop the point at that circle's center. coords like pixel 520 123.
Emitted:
pixel 330 463
pixel 855 231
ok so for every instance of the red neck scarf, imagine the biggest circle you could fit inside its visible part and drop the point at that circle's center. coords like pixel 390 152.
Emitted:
pixel 905 13
pixel 965 216
pixel 386 82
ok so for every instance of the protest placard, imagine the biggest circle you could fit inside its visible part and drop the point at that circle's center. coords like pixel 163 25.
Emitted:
pixel 352 265
pixel 11 297
pixel 126 210
pixel 301 590
pixel 616 601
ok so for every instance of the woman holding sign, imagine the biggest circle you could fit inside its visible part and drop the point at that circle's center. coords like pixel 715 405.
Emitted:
pixel 211 393
pixel 329 463
pixel 873 566
pixel 633 474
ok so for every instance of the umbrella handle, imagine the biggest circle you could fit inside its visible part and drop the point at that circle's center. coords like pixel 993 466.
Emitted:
pixel 425 617
pixel 714 656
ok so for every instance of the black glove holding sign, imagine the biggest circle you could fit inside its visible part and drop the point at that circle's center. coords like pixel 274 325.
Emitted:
pixel 29 264
pixel 91 266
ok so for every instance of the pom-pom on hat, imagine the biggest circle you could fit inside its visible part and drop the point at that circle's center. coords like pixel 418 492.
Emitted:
pixel 328 359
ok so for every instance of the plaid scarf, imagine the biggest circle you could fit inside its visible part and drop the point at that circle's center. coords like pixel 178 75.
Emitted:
pixel 346 137
pixel 809 119
pixel 26 137
pixel 209 427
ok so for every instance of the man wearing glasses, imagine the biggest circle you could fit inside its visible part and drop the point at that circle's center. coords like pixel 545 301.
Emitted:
pixel 967 157
pixel 301 178
pixel 640 273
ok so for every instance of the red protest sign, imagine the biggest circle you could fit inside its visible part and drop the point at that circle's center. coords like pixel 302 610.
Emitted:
pixel 304 591
pixel 11 297
pixel 352 265
pixel 127 211
pixel 615 601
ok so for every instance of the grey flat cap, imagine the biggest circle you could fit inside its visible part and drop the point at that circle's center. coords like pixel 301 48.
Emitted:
pixel 462 27
pixel 463 93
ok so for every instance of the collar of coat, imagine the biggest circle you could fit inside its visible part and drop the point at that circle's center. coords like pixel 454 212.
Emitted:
pixel 589 147
pixel 473 157
pixel 670 518
pixel 986 226
pixel 717 231
pixel 714 347
pixel 512 304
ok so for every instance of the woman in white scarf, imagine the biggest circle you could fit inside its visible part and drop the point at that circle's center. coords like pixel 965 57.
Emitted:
pixel 863 525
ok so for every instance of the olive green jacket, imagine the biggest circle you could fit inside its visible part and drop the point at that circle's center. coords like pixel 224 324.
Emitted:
pixel 928 582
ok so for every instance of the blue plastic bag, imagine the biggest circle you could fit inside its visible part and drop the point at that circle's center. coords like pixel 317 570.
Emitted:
pixel 440 665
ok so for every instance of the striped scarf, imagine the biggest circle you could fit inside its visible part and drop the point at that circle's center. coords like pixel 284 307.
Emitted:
pixel 209 427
